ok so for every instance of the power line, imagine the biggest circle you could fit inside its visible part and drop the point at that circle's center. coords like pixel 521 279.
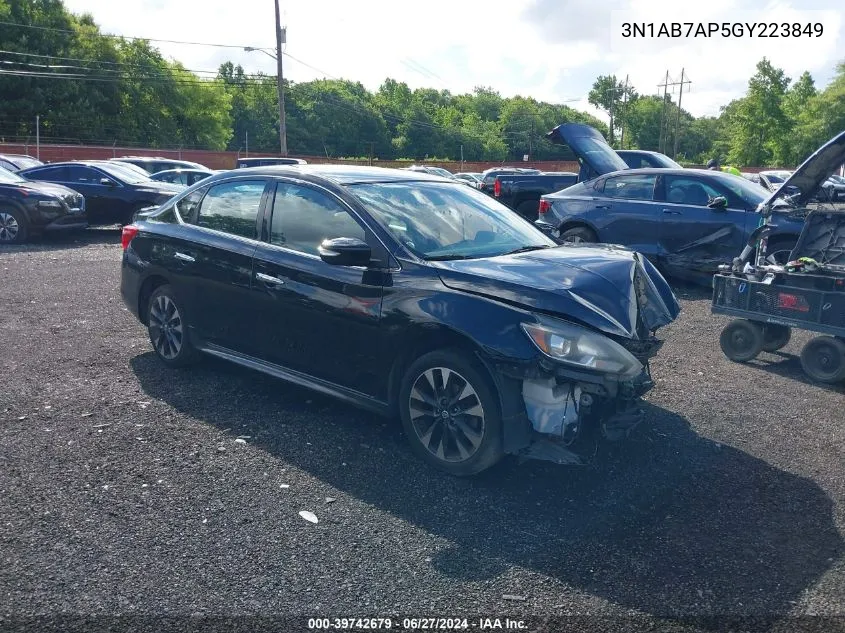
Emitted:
pixel 123 37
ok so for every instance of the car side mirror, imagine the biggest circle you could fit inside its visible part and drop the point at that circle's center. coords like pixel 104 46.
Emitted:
pixel 108 182
pixel 345 251
pixel 718 203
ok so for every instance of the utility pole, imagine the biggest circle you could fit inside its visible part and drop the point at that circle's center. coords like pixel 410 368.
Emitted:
pixel 38 136
pixel 665 86
pixel 625 112
pixel 247 143
pixel 281 36
pixel 678 118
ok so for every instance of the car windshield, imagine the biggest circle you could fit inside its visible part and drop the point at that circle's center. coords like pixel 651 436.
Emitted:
pixel 9 177
pixel 125 174
pixel 749 191
pixel 448 221
pixel 440 172
pixel 25 163
pixel 665 161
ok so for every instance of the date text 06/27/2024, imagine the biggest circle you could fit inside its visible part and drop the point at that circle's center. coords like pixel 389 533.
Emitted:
pixel 721 29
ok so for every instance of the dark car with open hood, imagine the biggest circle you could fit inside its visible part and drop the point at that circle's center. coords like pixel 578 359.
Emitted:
pixel 407 294
pixel 28 209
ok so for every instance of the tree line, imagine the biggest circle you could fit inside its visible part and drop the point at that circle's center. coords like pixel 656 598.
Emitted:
pixel 93 88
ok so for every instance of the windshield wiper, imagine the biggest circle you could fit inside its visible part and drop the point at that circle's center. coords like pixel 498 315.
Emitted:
pixel 448 256
pixel 526 249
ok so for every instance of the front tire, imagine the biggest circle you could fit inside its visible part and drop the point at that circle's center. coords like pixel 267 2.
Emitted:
pixel 451 414
pixel 168 329
pixel 741 340
pixel 13 227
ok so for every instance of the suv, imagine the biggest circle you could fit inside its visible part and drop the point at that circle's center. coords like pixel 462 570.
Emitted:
pixel 153 165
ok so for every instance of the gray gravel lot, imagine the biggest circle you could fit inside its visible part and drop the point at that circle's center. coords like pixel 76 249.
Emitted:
pixel 124 490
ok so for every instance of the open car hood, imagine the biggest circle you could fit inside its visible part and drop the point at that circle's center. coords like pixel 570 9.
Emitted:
pixel 813 172
pixel 589 146
pixel 616 291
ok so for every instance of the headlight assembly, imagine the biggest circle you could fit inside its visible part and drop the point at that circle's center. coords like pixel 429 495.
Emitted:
pixel 50 204
pixel 574 345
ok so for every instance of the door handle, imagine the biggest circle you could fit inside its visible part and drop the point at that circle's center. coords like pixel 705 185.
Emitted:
pixel 269 279
pixel 670 212
pixel 184 258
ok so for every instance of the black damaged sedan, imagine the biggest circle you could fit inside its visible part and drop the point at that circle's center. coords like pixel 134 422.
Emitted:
pixel 409 295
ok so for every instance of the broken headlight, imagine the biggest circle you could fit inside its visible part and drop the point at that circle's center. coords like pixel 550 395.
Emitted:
pixel 578 346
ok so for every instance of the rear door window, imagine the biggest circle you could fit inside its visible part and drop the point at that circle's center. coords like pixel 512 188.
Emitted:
pixel 630 186
pixel 232 207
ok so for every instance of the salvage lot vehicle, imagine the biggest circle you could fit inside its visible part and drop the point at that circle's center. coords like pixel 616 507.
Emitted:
pixel 16 162
pixel 28 208
pixel 155 164
pixel 185 177
pixel 808 293
pixel 522 192
pixel 687 221
pixel 404 292
pixel 113 193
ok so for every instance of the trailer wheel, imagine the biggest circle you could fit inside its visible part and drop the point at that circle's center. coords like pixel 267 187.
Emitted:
pixel 823 359
pixel 775 337
pixel 741 340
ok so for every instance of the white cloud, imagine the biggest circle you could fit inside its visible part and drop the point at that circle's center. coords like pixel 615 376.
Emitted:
pixel 548 49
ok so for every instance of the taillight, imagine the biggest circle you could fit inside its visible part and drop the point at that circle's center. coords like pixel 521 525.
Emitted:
pixel 129 231
pixel 792 302
pixel 497 188
pixel 545 206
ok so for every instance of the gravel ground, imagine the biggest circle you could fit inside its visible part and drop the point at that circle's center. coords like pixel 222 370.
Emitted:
pixel 125 488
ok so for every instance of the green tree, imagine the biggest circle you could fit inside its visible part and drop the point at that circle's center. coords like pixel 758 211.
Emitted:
pixel 614 97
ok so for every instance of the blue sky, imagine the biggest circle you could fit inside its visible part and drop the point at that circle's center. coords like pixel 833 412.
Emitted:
pixel 547 49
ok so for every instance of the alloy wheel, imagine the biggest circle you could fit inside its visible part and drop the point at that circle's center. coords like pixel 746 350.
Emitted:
pixel 9 227
pixel 166 327
pixel 446 414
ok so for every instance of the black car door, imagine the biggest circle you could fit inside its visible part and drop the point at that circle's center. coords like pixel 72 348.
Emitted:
pixel 318 318
pixel 102 192
pixel 213 259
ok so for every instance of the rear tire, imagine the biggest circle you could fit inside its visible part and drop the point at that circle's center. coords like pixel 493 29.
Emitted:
pixel 168 329
pixel 775 337
pixel 13 227
pixel 823 359
pixel 578 234
pixel 450 413
pixel 741 340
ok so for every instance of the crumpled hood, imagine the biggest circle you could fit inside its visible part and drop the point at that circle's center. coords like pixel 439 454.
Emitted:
pixel 606 288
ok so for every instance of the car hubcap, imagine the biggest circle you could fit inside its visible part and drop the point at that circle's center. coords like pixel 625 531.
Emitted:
pixel 8 227
pixel 166 327
pixel 741 341
pixel 446 414
pixel 827 360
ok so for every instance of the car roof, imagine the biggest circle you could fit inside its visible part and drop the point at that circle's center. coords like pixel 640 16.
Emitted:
pixel 339 174
pixel 180 170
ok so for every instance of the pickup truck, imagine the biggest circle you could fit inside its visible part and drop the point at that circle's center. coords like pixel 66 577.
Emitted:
pixel 522 192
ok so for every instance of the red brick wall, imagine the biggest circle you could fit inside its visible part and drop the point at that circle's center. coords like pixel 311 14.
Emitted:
pixel 226 160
